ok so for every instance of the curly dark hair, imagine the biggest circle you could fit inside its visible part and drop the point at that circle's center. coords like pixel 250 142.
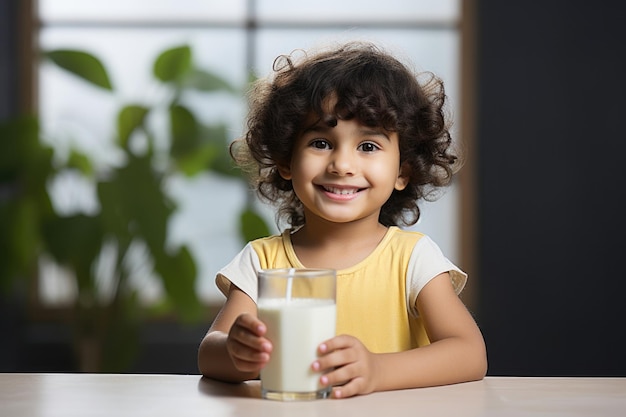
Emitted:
pixel 369 85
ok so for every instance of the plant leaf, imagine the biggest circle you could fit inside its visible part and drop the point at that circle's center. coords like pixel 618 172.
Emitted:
pixel 223 163
pixel 184 129
pixel 75 241
pixel 134 203
pixel 199 160
pixel 81 162
pixel 129 118
pixel 206 81
pixel 25 168
pixel 19 241
pixel 81 64
pixel 172 64
pixel 252 225
pixel 178 273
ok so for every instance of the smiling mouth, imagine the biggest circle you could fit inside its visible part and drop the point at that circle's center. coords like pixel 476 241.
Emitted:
pixel 341 191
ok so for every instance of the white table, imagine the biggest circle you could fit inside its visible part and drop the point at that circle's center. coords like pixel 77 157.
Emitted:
pixel 110 395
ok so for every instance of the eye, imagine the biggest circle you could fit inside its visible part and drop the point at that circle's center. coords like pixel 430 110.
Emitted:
pixel 368 147
pixel 319 144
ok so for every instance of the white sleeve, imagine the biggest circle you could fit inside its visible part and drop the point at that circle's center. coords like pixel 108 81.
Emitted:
pixel 427 261
pixel 241 272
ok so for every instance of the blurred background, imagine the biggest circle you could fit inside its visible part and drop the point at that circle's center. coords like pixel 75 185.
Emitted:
pixel 118 203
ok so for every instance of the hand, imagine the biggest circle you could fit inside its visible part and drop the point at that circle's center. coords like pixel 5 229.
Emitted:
pixel 247 347
pixel 351 367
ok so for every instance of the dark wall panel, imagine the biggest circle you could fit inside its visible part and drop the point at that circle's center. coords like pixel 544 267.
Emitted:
pixel 551 143
pixel 8 58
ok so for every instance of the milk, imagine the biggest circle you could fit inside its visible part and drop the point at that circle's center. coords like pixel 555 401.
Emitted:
pixel 295 327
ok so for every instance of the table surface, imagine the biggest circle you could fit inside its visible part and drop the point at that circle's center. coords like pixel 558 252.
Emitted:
pixel 110 395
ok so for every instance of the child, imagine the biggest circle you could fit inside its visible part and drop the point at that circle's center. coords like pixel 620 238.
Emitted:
pixel 345 142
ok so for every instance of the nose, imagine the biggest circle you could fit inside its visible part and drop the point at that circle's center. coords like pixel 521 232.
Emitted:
pixel 342 162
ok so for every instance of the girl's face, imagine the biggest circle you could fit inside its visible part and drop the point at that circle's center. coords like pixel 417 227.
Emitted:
pixel 345 173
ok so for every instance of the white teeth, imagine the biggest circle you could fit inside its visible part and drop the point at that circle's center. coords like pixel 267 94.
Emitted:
pixel 342 191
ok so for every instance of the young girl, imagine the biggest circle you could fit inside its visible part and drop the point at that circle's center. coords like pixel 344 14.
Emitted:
pixel 345 142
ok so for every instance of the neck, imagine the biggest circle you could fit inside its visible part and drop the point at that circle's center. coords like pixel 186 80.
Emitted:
pixel 322 244
pixel 319 232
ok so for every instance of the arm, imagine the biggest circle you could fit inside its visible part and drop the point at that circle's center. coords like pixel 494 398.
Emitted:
pixel 234 348
pixel 456 353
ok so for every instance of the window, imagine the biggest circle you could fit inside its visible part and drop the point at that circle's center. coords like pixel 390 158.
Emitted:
pixel 229 39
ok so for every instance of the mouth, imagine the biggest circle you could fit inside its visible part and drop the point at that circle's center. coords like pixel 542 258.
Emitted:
pixel 342 191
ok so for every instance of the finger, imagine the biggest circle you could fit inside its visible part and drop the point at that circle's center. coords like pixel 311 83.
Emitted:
pixel 251 323
pixel 340 375
pixel 242 337
pixel 335 359
pixel 346 382
pixel 337 342
pixel 345 391
pixel 248 366
pixel 244 352
pixel 245 358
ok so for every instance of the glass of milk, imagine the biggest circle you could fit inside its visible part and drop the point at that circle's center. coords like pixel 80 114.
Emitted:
pixel 298 308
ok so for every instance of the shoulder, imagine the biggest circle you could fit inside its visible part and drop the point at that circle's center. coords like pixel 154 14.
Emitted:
pixel 404 238
pixel 269 247
pixel 275 251
pixel 428 256
pixel 428 261
pixel 268 241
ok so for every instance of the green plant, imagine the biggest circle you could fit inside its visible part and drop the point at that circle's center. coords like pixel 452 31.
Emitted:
pixel 134 207
pixel 25 166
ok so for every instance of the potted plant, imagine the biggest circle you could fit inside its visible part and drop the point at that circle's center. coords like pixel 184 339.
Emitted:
pixel 129 231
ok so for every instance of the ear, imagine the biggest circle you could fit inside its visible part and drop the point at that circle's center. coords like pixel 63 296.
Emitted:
pixel 403 179
pixel 284 171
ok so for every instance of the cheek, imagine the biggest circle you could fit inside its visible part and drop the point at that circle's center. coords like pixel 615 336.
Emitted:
pixel 301 173
pixel 306 168
pixel 384 172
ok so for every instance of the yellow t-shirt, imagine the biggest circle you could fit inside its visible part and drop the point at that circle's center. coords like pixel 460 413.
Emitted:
pixel 375 298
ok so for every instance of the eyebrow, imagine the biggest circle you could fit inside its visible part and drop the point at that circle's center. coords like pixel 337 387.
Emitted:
pixel 322 127
pixel 374 132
